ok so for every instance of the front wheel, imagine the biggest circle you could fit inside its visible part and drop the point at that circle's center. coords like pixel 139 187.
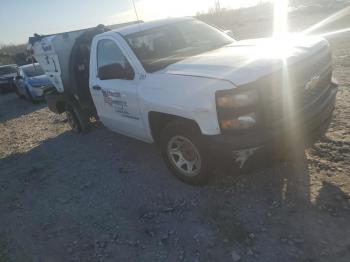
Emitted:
pixel 18 93
pixel 29 96
pixel 184 152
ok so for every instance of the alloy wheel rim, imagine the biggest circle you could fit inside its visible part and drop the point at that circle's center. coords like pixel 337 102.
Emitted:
pixel 184 156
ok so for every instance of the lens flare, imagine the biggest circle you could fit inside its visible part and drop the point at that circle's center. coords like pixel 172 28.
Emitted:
pixel 340 31
pixel 280 18
pixel 282 45
pixel 328 20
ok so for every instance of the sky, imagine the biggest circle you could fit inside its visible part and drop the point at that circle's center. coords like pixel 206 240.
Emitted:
pixel 20 19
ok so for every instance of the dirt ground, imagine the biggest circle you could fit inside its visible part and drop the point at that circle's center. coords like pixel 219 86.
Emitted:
pixel 105 197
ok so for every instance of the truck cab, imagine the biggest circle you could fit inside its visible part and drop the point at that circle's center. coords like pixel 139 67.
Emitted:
pixel 191 88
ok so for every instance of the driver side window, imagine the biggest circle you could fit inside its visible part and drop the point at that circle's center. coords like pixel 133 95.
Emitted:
pixel 111 62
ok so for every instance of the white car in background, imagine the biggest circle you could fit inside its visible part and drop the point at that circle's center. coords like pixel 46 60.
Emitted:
pixel 31 82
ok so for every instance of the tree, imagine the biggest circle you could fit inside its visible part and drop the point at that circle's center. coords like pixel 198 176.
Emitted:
pixel 13 54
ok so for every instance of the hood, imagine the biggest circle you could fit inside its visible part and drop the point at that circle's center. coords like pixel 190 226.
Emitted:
pixel 243 62
pixel 42 80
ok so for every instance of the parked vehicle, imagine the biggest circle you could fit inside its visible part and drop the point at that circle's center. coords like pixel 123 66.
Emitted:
pixel 31 82
pixel 190 88
pixel 7 73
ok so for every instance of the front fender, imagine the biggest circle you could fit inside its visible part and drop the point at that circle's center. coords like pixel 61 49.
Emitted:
pixel 184 96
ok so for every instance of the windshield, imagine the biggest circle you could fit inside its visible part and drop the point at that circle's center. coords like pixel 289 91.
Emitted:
pixel 33 70
pixel 7 70
pixel 159 47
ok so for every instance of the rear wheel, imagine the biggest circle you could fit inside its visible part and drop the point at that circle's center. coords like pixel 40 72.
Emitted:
pixel 78 120
pixel 184 152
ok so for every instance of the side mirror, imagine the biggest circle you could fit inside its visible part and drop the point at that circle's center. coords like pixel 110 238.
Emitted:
pixel 229 33
pixel 18 78
pixel 115 71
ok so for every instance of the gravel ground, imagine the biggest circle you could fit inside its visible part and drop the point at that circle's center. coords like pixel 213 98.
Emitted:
pixel 105 197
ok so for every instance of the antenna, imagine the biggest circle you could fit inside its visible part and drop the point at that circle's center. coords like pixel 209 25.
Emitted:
pixel 217 6
pixel 135 10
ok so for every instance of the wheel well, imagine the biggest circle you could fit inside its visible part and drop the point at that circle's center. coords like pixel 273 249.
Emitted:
pixel 61 106
pixel 158 121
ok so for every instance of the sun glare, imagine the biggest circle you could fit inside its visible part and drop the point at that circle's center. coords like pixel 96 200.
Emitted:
pixel 280 18
pixel 281 47
pixel 342 13
pixel 328 20
pixel 335 32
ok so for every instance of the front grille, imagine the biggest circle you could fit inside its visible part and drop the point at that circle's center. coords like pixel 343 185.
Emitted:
pixel 282 95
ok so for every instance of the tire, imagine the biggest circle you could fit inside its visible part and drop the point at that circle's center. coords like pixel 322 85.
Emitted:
pixel 30 97
pixel 185 153
pixel 18 93
pixel 78 120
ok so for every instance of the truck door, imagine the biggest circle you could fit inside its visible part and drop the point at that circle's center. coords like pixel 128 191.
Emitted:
pixel 113 85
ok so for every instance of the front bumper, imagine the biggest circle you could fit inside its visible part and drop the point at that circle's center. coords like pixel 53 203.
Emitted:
pixel 39 92
pixel 303 129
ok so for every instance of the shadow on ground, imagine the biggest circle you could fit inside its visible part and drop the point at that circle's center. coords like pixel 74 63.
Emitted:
pixel 105 196
pixel 10 110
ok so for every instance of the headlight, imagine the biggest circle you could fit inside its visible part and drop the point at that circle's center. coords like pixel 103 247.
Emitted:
pixel 231 100
pixel 239 123
pixel 237 110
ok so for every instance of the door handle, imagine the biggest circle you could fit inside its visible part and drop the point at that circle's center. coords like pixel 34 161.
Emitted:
pixel 96 88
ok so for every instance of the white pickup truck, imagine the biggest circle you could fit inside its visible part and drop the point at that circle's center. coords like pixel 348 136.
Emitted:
pixel 190 88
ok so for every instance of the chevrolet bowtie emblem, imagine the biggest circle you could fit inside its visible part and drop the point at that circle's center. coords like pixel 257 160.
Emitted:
pixel 312 83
